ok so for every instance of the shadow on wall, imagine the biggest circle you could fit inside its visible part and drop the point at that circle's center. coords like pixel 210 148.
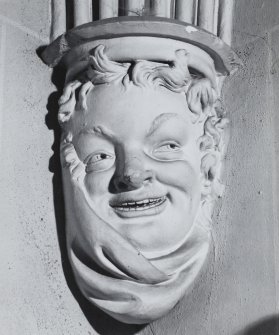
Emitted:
pixel 267 326
pixel 101 322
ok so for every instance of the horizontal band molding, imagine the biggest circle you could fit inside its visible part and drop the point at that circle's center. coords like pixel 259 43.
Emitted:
pixel 225 59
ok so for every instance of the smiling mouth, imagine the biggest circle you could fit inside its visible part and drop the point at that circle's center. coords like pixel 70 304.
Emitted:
pixel 142 205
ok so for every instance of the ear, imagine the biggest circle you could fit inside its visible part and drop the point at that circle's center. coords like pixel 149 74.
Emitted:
pixel 213 144
pixel 210 170
pixel 70 160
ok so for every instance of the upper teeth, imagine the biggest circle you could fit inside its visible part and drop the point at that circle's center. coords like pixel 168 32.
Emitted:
pixel 139 204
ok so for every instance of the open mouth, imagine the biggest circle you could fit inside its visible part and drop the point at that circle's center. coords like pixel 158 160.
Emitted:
pixel 142 205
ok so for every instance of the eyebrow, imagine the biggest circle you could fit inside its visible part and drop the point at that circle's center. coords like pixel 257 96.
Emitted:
pixel 156 123
pixel 99 130
pixel 159 120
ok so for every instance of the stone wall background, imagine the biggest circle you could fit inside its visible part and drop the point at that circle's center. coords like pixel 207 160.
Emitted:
pixel 238 291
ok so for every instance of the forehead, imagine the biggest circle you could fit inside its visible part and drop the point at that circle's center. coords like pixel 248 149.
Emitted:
pixel 116 106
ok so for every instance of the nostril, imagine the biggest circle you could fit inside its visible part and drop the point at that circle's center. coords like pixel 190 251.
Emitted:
pixel 122 186
pixel 130 180
pixel 148 175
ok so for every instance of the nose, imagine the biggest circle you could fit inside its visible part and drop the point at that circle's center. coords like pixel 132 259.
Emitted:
pixel 131 176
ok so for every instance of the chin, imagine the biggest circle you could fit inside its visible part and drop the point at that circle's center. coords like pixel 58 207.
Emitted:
pixel 153 227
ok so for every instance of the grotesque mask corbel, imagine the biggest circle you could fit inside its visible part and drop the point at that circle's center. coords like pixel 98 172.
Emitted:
pixel 141 151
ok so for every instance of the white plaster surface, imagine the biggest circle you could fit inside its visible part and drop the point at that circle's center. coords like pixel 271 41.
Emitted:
pixel 239 286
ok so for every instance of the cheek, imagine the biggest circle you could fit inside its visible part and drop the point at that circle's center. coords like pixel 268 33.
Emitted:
pixel 180 175
pixel 97 184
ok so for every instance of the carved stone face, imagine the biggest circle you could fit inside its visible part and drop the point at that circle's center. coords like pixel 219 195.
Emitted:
pixel 142 158
pixel 139 151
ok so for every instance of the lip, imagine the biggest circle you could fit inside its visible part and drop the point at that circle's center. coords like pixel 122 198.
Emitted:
pixel 143 207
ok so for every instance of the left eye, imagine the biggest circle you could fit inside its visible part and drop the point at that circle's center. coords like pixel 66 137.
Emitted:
pixel 167 151
pixel 168 147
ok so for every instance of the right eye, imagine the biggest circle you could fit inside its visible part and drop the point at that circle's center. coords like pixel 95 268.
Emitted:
pixel 99 161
